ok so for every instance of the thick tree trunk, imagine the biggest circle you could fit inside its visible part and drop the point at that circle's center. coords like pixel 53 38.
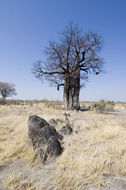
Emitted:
pixel 72 91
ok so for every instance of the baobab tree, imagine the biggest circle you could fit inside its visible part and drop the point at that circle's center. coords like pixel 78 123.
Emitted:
pixel 7 89
pixel 69 62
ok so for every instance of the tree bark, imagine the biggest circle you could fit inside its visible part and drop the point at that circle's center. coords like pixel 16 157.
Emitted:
pixel 72 91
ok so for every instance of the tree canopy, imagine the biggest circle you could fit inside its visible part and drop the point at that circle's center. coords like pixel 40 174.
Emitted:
pixel 7 89
pixel 70 60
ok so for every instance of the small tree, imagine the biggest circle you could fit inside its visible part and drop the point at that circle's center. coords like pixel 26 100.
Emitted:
pixel 69 61
pixel 7 89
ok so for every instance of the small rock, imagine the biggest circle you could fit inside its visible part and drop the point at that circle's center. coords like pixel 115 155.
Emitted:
pixel 52 121
pixel 66 130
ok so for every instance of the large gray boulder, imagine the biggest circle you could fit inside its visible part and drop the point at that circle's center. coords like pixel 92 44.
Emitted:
pixel 39 131
pixel 54 148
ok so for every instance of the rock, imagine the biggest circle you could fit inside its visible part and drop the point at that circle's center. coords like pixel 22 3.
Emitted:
pixel 66 130
pixel 66 114
pixel 35 132
pixel 52 121
pixel 55 133
pixel 40 154
pixel 36 122
pixel 39 131
pixel 55 122
pixel 54 148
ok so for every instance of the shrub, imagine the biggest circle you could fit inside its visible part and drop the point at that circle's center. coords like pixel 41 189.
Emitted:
pixel 2 101
pixel 104 106
pixel 50 104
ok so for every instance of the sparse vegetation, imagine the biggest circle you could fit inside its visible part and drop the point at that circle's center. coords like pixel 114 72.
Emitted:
pixel 19 183
pixel 92 154
pixel 53 104
pixel 104 106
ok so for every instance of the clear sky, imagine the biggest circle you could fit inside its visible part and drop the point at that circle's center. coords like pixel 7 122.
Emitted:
pixel 26 26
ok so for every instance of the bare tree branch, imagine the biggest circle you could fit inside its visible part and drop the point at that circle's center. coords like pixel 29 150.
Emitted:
pixel 70 60
pixel 58 85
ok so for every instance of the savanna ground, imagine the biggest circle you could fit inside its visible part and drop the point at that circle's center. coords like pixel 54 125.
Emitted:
pixel 94 156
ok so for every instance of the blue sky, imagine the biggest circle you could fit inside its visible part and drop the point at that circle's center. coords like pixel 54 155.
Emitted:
pixel 26 26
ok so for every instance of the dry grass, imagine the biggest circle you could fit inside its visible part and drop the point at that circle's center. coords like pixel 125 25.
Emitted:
pixel 94 151
pixel 19 183
pixel 97 151
pixel 14 130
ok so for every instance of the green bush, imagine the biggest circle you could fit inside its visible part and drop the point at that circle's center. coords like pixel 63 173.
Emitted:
pixel 9 102
pixel 104 106
pixel 2 101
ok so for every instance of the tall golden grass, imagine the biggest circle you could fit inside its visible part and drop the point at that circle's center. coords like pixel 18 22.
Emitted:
pixel 95 150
